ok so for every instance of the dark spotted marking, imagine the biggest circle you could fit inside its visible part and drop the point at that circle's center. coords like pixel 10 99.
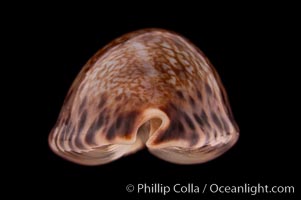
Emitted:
pixel 94 128
pixel 180 127
pixel 216 121
pixel 102 102
pixel 188 121
pixel 129 120
pixel 118 122
pixel 91 133
pixel 199 95
pixel 99 122
pixel 118 98
pixel 172 110
pixel 169 109
pixel 82 121
pixel 208 89
pixel 194 138
pixel 198 120
pixel 111 132
pixel 204 118
pixel 192 102
pixel 79 143
pixel 173 106
pixel 125 124
pixel 180 94
pixel 173 132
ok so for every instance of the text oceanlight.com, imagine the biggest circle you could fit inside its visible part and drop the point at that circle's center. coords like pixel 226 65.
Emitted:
pixel 192 188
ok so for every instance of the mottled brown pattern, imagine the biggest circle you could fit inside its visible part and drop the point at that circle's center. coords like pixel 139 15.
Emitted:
pixel 148 88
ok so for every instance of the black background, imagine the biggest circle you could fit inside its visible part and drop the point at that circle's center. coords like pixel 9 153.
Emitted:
pixel 252 53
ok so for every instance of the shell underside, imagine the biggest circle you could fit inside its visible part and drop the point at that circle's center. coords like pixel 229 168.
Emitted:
pixel 150 88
